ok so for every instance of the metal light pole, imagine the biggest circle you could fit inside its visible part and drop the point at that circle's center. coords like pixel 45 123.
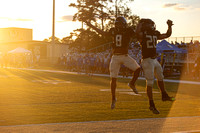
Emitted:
pixel 116 9
pixel 53 34
pixel 53 24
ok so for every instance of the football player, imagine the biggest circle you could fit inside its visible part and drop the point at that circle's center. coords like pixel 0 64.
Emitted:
pixel 148 36
pixel 121 35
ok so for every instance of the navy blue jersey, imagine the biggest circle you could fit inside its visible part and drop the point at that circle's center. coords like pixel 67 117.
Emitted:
pixel 148 43
pixel 121 40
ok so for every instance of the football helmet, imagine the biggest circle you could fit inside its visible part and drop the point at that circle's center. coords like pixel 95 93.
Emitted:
pixel 120 23
pixel 148 25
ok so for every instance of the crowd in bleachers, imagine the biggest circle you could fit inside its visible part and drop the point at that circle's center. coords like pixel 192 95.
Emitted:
pixel 24 60
pixel 88 63
pixel 98 62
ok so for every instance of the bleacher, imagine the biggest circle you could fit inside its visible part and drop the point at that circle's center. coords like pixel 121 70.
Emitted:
pixel 173 62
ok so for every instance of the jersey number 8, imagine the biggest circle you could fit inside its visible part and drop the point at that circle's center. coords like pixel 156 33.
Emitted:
pixel 118 40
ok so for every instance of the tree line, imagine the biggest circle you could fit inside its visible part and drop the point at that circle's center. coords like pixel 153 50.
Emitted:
pixel 102 14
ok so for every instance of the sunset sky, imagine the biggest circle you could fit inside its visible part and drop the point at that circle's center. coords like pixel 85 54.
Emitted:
pixel 37 15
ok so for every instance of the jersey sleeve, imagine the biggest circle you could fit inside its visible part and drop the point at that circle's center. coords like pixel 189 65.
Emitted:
pixel 111 32
pixel 157 33
pixel 131 31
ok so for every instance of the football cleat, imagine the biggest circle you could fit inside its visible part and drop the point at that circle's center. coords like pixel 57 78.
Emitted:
pixel 133 88
pixel 113 104
pixel 154 110
pixel 167 98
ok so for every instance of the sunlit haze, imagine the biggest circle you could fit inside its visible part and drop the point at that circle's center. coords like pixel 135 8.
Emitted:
pixel 37 15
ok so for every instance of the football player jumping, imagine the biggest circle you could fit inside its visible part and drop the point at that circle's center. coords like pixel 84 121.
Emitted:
pixel 121 35
pixel 148 36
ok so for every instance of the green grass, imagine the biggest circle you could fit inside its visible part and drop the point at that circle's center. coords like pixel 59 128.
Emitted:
pixel 30 97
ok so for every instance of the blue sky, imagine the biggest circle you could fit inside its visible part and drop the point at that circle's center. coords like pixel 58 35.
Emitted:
pixel 37 15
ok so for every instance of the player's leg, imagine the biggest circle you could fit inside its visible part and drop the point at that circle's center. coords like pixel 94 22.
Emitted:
pixel 160 83
pixel 134 66
pixel 148 68
pixel 136 74
pixel 113 85
pixel 114 70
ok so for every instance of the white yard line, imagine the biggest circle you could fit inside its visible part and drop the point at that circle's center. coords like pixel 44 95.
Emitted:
pixel 191 131
pixel 106 75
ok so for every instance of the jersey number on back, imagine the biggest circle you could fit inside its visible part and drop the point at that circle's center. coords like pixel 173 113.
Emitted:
pixel 118 40
pixel 151 41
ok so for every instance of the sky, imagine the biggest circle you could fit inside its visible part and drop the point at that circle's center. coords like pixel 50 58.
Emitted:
pixel 37 15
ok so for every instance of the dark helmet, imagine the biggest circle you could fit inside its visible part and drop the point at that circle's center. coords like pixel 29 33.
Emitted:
pixel 120 22
pixel 148 25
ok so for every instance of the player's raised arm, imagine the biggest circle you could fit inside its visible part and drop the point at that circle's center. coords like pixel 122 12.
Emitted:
pixel 139 30
pixel 169 31
pixel 104 33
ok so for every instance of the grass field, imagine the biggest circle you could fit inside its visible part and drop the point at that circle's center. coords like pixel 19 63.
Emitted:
pixel 36 97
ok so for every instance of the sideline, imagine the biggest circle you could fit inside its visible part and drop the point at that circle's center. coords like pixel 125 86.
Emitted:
pixel 126 120
pixel 106 75
pixel 160 125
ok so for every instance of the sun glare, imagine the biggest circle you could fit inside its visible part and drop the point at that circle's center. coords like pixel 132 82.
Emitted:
pixel 37 15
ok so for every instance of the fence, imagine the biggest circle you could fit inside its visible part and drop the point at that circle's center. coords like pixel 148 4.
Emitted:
pixel 100 48
pixel 183 39
pixel 187 39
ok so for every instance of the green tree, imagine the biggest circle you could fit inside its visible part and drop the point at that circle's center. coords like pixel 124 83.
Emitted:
pixel 102 13
pixel 57 40
pixel 69 39
pixel 85 39
pixel 91 10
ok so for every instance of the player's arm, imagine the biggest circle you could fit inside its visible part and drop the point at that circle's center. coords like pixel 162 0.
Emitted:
pixel 96 29
pixel 169 31
pixel 138 31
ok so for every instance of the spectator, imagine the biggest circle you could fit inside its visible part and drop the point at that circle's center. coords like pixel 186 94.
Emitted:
pixel 197 67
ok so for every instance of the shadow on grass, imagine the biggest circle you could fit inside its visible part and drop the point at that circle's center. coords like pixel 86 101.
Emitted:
pixel 127 110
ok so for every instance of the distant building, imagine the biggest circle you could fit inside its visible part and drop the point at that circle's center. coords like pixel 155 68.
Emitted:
pixel 13 37
pixel 14 34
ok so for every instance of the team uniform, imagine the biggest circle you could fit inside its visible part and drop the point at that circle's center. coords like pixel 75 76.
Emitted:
pixel 148 35
pixel 120 55
pixel 121 35
pixel 150 63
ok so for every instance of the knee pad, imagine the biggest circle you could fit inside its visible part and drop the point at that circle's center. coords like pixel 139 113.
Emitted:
pixel 150 82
